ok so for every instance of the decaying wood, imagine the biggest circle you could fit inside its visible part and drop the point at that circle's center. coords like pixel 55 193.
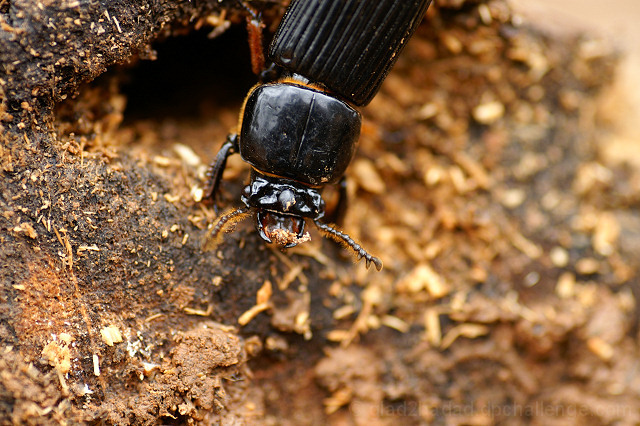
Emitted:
pixel 510 275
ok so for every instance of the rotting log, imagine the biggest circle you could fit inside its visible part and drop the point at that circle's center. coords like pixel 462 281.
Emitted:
pixel 94 249
pixel 477 181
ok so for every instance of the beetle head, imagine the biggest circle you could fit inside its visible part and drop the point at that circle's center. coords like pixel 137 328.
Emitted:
pixel 282 206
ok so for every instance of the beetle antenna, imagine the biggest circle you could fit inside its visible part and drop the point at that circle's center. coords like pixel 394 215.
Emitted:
pixel 343 238
pixel 225 223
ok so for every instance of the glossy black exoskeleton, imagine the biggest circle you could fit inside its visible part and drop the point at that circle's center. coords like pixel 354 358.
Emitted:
pixel 300 135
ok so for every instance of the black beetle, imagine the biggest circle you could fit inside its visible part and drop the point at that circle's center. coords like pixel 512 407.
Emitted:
pixel 300 133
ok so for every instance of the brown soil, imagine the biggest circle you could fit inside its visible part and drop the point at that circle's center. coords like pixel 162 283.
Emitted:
pixel 509 237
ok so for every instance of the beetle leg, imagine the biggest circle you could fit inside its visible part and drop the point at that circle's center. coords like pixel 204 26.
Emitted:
pixel 217 167
pixel 341 237
pixel 254 28
pixel 271 72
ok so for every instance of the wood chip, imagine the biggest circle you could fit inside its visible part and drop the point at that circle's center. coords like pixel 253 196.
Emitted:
pixel 264 294
pixel 565 287
pixel 559 257
pixel 199 312
pixel 395 323
pixel 187 155
pixel 432 327
pixel 250 314
pixel 602 349
pixel 58 356
pixel 111 335
pixel 367 176
pixel 423 277
pixel 524 245
pixel 162 161
pixel 489 112
pixel 587 266
pixel 96 365
pixel 470 331
pixel 338 399
pixel 605 234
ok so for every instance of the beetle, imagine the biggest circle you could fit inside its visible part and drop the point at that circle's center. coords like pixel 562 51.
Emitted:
pixel 300 132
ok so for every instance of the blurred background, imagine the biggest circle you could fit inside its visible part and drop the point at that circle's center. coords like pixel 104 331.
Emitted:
pixel 617 22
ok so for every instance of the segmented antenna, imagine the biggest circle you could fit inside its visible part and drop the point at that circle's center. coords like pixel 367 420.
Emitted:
pixel 225 223
pixel 348 241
